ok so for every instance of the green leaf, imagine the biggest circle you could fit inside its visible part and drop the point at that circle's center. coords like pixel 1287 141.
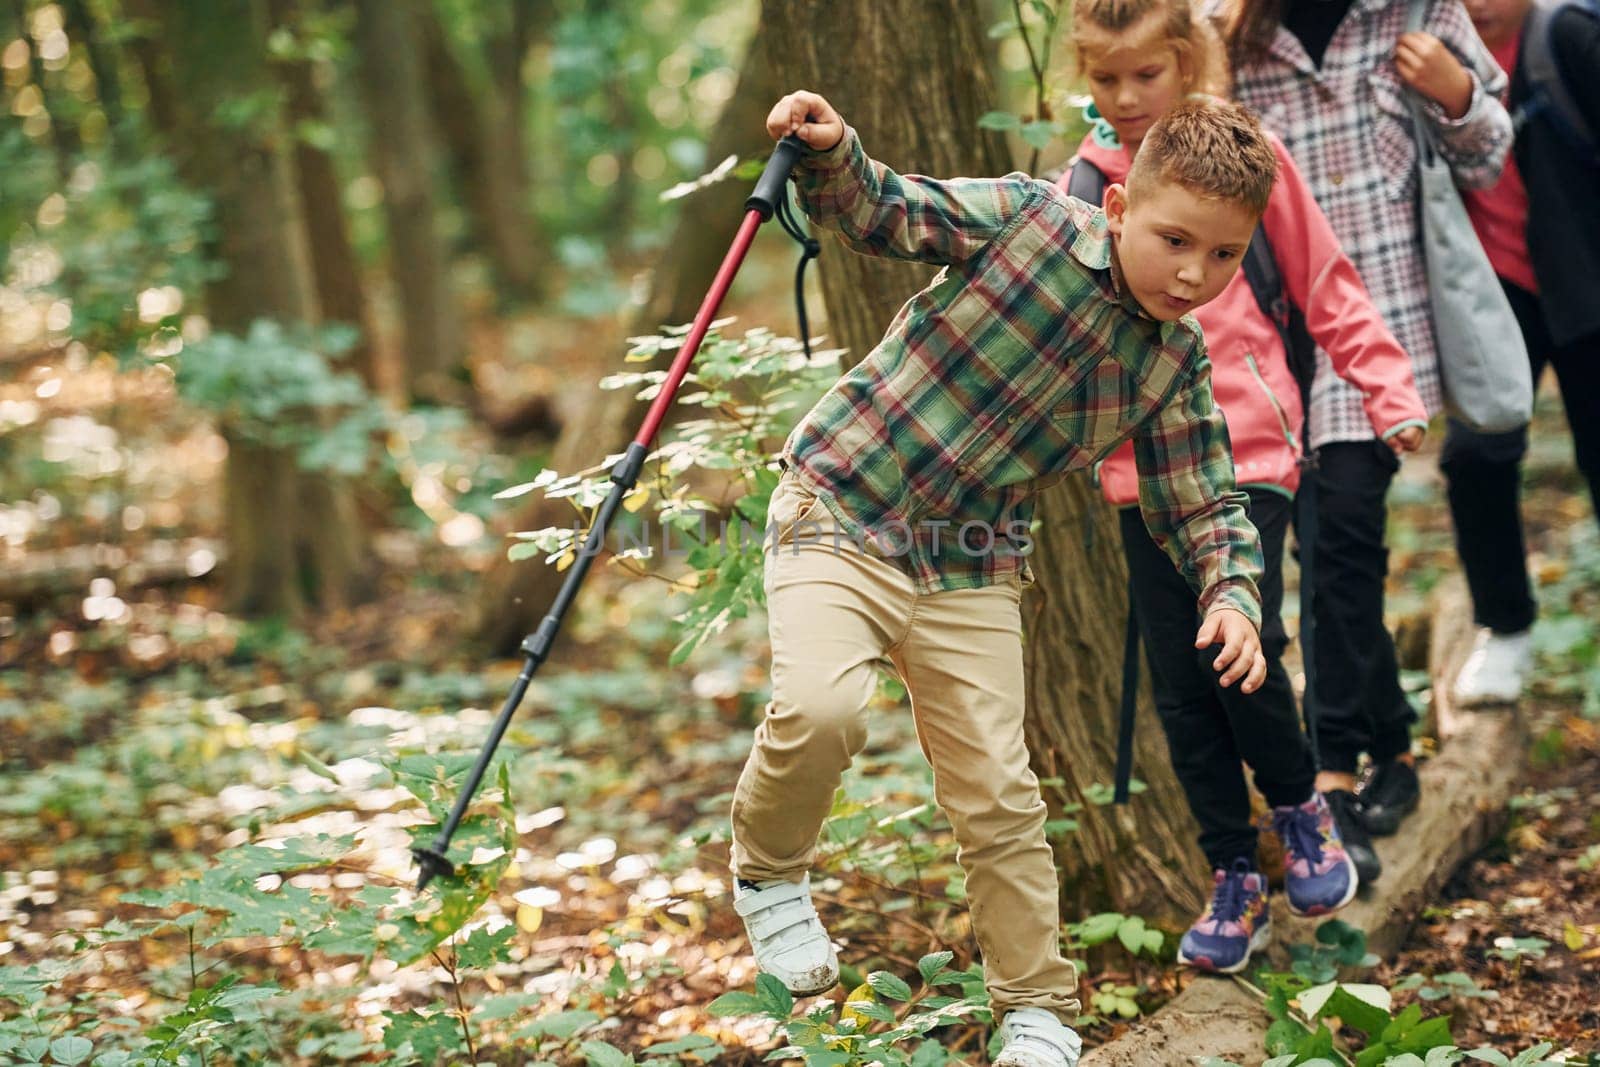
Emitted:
pixel 561 1025
pixel 1489 1055
pixel 604 1054
pixel 999 120
pixel 776 1000
pixel 932 964
pixel 699 1046
pixel 483 949
pixel 71 1050
pixel 1312 1000
pixel 887 985
pixel 1365 1007
pixel 1131 933
pixel 737 1002
pixel 1039 134
pixel 1099 928
pixel 1284 1037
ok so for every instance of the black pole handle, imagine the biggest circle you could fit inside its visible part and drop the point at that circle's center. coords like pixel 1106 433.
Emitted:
pixel 769 187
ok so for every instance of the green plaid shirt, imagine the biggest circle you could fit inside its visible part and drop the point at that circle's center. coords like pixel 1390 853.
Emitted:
pixel 1021 359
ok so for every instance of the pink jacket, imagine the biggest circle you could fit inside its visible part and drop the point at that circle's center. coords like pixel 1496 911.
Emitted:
pixel 1250 374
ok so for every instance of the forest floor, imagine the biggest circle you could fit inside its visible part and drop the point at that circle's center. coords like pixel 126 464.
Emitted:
pixel 143 730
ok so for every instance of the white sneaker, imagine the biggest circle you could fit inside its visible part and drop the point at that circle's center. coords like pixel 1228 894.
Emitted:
pixel 1496 671
pixel 1036 1038
pixel 786 936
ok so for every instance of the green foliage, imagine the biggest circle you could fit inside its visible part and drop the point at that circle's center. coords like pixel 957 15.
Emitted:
pixel 1453 984
pixel 1301 1005
pixel 1337 945
pixel 749 389
pixel 120 244
pixel 252 892
pixel 279 387
pixel 1129 930
pixel 882 1021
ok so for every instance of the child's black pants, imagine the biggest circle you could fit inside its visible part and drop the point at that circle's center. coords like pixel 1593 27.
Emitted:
pixel 1210 730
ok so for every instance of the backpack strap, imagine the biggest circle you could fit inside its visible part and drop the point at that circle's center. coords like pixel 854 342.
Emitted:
pixel 1266 284
pixel 1087 181
pixel 1130 703
pixel 1548 95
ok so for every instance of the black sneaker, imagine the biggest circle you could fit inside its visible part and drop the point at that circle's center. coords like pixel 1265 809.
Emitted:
pixel 1354 834
pixel 1390 793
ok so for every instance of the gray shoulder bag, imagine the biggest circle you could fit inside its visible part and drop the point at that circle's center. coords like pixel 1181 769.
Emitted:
pixel 1483 360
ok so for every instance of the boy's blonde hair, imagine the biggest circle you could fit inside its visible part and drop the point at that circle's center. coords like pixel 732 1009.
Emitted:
pixel 1209 146
pixel 1197 42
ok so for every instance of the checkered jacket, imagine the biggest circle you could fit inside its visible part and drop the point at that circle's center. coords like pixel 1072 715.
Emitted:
pixel 1349 128
pixel 1023 358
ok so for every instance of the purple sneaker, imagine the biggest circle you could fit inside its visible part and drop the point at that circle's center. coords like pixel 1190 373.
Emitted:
pixel 1319 875
pixel 1236 925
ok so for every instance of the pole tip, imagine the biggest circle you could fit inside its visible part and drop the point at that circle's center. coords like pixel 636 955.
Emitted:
pixel 432 863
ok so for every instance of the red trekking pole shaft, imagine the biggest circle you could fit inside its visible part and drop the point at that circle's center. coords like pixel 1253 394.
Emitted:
pixel 433 860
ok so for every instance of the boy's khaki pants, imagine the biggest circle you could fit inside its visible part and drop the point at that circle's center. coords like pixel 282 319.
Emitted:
pixel 834 614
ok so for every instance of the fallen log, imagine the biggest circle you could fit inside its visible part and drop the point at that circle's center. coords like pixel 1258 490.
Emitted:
pixel 1465 789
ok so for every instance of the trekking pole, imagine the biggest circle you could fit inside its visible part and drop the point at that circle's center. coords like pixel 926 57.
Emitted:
pixel 769 193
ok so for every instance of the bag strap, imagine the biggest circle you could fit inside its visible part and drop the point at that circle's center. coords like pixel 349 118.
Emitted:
pixel 1421 130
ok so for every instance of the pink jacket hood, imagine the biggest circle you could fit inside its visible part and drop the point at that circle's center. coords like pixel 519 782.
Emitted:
pixel 1250 375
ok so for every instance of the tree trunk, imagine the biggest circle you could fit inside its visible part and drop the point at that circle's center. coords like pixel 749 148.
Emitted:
pixel 292 535
pixel 82 29
pixel 491 179
pixel 63 133
pixel 516 595
pixel 161 104
pixel 911 77
pixel 531 21
pixel 335 268
pixel 402 143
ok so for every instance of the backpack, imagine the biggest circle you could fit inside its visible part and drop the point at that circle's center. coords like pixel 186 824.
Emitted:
pixel 1088 182
pixel 1548 95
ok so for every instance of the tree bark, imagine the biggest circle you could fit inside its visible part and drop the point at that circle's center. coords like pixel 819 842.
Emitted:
pixel 912 78
pixel 488 172
pixel 403 154
pixel 292 535
pixel 336 270
pixel 516 595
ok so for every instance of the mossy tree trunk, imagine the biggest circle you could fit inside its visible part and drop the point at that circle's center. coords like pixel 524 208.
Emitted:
pixel 293 540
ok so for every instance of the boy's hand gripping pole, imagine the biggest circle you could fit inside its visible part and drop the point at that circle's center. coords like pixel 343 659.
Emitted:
pixel 764 200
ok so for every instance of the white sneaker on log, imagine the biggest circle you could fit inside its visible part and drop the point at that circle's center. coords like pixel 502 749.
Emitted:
pixel 1034 1037
pixel 786 936
pixel 1496 671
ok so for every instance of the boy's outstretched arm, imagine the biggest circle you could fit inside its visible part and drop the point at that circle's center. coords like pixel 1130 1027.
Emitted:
pixel 1197 516
pixel 882 213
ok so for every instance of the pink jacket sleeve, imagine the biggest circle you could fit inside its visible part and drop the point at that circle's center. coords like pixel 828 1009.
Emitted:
pixel 1323 283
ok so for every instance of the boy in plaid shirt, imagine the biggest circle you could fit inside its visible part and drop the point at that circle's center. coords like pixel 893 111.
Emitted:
pixel 1056 332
